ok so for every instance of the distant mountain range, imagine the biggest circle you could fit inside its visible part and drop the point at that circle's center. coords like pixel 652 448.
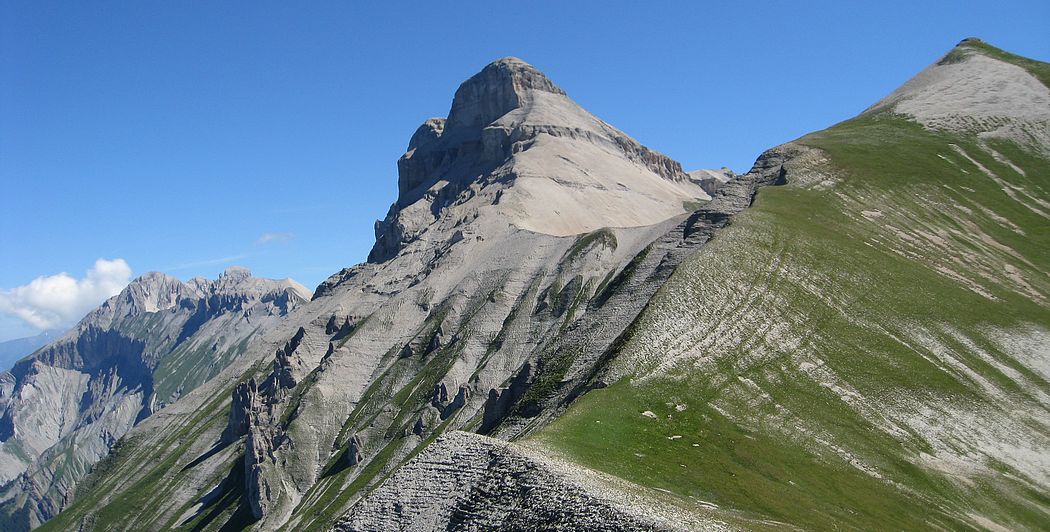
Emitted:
pixel 64 407
pixel 12 350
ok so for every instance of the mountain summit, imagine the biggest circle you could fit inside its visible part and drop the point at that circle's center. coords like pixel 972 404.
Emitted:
pixel 517 150
pixel 502 86
pixel 979 89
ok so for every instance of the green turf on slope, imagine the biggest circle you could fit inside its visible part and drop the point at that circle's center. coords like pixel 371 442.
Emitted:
pixel 853 277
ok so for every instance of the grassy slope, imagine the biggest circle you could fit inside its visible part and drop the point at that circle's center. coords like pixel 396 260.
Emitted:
pixel 823 355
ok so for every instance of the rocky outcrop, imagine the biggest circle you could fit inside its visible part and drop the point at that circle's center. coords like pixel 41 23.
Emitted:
pixel 353 452
pixel 258 449
pixel 711 180
pixel 441 401
pixel 499 402
pixel 284 362
pixel 468 482
pixel 243 403
pixel 265 431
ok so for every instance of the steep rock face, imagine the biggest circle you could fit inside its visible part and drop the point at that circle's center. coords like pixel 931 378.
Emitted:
pixel 241 408
pixel 515 146
pixel 500 88
pixel 73 399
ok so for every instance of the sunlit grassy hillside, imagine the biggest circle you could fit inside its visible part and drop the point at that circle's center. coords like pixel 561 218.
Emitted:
pixel 867 347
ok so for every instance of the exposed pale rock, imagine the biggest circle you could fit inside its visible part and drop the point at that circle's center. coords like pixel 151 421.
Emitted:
pixel 469 482
pixel 711 180
pixel 524 150
pixel 966 90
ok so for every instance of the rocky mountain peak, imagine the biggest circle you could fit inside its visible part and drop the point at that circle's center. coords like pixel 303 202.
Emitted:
pixel 427 134
pixel 233 279
pixel 502 86
pixel 516 146
pixel 235 274
pixel 156 291
pixel 470 136
pixel 151 292
pixel 238 280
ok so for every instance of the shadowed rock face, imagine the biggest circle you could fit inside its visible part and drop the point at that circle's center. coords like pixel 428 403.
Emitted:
pixel 158 339
pixel 500 87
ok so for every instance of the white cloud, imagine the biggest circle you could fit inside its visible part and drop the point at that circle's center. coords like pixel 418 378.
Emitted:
pixel 274 237
pixel 59 300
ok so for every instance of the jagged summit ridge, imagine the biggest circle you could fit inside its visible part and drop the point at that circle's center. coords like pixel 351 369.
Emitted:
pixel 152 292
pixel 157 291
pixel 517 150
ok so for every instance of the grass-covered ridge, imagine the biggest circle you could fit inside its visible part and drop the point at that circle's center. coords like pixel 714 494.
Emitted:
pixel 1038 69
pixel 865 347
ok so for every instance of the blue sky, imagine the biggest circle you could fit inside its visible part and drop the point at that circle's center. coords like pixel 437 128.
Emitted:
pixel 188 136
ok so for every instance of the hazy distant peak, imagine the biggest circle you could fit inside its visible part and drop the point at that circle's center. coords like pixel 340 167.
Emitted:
pixel 238 280
pixel 157 291
pixel 235 273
